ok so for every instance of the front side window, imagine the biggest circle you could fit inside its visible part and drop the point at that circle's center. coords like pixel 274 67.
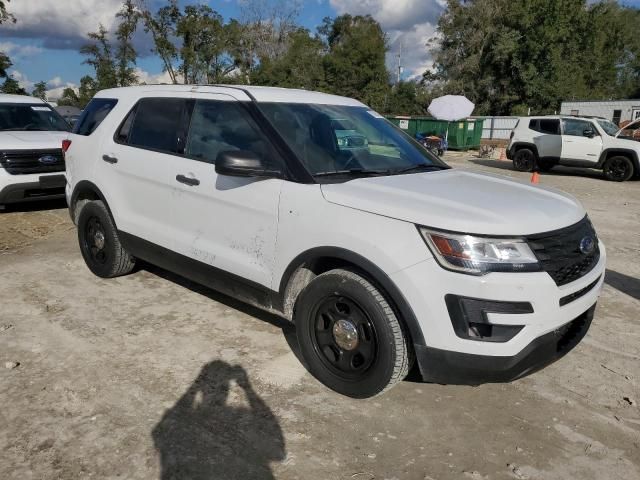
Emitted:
pixel 31 117
pixel 93 115
pixel 338 139
pixel 219 126
pixel 157 124
pixel 575 127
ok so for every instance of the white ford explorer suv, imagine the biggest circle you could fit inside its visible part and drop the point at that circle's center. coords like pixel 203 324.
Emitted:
pixel 382 255
pixel 544 142
pixel 31 163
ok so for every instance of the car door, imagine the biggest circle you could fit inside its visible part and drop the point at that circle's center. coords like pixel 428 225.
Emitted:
pixel 229 223
pixel 137 159
pixel 581 141
pixel 549 142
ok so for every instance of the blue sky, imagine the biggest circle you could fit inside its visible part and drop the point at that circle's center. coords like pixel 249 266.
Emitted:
pixel 43 44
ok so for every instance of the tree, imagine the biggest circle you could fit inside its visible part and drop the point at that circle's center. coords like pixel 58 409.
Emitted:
pixel 299 67
pixel 5 16
pixel 12 86
pixel 355 63
pixel 99 56
pixel 162 27
pixel 125 55
pixel 69 98
pixel 509 57
pixel 40 91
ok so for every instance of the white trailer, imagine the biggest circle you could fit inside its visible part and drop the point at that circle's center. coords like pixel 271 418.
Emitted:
pixel 617 111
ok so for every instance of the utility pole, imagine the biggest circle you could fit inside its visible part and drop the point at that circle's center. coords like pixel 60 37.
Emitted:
pixel 400 68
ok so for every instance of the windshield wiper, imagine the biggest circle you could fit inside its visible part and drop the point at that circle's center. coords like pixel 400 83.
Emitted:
pixel 353 171
pixel 419 168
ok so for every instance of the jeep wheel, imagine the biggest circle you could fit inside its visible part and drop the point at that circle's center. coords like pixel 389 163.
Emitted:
pixel 524 160
pixel 349 336
pixel 618 169
pixel 99 243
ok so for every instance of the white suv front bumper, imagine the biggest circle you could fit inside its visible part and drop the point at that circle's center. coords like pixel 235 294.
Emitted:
pixel 31 187
pixel 541 339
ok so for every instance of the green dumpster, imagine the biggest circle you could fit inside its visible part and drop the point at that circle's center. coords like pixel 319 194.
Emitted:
pixel 462 135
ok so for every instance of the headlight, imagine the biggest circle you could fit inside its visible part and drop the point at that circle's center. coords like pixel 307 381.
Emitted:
pixel 480 255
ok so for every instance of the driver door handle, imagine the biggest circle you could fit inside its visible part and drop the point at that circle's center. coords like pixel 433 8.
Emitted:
pixel 192 182
pixel 109 159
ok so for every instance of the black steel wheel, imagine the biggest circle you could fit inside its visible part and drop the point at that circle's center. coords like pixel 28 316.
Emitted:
pixel 99 243
pixel 349 336
pixel 344 336
pixel 524 160
pixel 618 169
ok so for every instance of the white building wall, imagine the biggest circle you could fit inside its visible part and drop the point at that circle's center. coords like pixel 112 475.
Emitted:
pixel 630 109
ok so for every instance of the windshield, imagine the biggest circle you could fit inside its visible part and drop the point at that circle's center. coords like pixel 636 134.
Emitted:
pixel 25 116
pixel 344 140
pixel 609 127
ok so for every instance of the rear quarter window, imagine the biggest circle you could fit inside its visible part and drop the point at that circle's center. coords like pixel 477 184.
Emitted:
pixel 93 115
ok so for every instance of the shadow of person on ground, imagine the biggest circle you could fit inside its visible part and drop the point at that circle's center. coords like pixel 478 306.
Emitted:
pixel 623 283
pixel 213 433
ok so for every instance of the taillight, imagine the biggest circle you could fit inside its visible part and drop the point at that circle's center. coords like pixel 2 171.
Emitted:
pixel 66 143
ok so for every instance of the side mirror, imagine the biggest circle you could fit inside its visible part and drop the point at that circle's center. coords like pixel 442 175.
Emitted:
pixel 587 132
pixel 243 163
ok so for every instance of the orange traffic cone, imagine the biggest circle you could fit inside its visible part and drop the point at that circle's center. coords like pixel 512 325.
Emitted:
pixel 503 154
pixel 535 177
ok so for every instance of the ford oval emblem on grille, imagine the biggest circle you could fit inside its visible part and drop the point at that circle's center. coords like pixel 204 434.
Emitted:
pixel 587 245
pixel 48 160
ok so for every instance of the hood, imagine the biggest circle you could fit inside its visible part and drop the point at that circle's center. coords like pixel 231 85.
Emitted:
pixel 31 140
pixel 630 126
pixel 460 201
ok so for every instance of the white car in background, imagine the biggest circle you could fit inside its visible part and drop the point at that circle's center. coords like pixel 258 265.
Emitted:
pixel 31 160
pixel 543 142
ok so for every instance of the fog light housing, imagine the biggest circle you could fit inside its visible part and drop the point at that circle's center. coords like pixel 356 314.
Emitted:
pixel 470 320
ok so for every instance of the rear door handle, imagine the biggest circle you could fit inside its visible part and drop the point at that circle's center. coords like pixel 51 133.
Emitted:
pixel 192 182
pixel 109 159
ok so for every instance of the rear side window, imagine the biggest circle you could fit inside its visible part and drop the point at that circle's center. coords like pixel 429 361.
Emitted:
pixel 549 126
pixel 157 124
pixel 93 115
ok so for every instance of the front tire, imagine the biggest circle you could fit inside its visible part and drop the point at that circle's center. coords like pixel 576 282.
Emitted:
pixel 99 243
pixel 349 336
pixel 618 169
pixel 524 160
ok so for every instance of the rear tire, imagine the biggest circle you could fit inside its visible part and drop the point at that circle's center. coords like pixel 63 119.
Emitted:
pixel 99 243
pixel 524 160
pixel 618 169
pixel 349 336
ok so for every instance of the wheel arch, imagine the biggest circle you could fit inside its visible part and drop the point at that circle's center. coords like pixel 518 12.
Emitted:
pixel 306 266
pixel 86 190
pixel 520 145
pixel 623 152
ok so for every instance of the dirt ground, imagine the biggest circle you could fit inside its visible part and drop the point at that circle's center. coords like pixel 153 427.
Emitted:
pixel 149 376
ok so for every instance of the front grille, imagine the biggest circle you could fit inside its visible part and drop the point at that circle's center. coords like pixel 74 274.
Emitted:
pixel 560 254
pixel 20 162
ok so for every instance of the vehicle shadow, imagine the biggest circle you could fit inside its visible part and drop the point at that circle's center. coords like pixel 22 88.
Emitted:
pixel 288 328
pixel 39 206
pixel 558 171
pixel 623 283
pixel 209 434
